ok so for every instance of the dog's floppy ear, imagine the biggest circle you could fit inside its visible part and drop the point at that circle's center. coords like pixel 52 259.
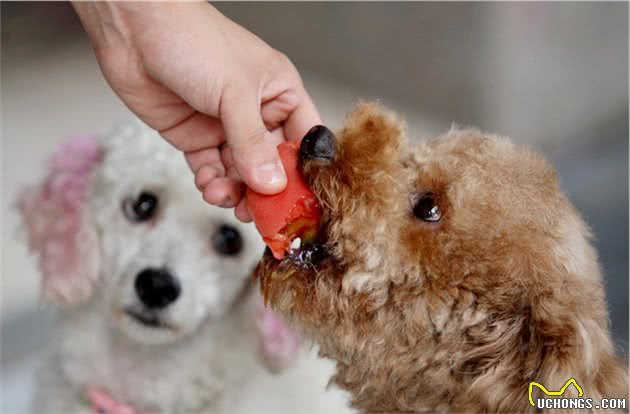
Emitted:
pixel 59 226
pixel 279 345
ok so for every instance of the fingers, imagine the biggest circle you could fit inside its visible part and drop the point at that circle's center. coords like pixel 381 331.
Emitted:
pixel 253 147
pixel 251 156
pixel 242 212
pixel 293 110
pixel 208 156
pixel 223 192
pixel 204 175
pixel 276 110
pixel 228 163
pixel 219 185
pixel 196 132
pixel 302 118
pixel 206 164
pixel 239 155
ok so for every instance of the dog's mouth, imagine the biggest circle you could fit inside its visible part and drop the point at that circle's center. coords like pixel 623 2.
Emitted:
pixel 302 265
pixel 305 242
pixel 147 318
pixel 305 256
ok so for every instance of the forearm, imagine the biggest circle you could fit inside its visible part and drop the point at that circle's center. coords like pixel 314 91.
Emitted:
pixel 117 23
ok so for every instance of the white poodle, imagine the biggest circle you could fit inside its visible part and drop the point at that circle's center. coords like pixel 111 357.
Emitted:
pixel 159 313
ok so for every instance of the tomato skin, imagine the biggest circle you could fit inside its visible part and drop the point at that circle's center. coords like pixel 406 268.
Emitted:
pixel 275 214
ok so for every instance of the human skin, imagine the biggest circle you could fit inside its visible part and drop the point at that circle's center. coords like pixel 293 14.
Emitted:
pixel 447 276
pixel 212 89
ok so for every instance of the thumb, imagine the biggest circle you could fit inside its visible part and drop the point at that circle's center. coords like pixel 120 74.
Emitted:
pixel 253 147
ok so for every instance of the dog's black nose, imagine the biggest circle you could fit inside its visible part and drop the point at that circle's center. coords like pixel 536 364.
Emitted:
pixel 156 288
pixel 319 143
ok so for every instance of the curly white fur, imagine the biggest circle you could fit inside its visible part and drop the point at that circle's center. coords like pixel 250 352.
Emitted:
pixel 197 363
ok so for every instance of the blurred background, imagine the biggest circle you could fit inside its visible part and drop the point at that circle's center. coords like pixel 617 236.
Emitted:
pixel 551 75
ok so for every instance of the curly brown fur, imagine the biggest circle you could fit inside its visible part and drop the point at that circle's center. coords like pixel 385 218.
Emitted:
pixel 458 315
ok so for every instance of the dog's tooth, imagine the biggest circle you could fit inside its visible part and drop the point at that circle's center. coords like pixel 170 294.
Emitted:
pixel 296 243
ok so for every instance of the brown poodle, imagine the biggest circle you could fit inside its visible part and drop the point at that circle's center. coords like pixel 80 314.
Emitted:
pixel 447 276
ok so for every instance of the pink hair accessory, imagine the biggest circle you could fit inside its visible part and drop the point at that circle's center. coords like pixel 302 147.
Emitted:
pixel 103 403
pixel 55 221
pixel 279 344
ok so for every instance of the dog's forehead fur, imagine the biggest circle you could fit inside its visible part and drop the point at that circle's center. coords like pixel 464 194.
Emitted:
pixel 496 198
pixel 478 171
pixel 137 159
pixel 178 237
pixel 459 314
pixel 133 151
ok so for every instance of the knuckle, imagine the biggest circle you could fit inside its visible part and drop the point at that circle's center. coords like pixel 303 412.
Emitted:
pixel 284 64
pixel 281 58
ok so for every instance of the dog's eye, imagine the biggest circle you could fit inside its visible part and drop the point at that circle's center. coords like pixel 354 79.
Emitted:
pixel 426 208
pixel 141 208
pixel 227 241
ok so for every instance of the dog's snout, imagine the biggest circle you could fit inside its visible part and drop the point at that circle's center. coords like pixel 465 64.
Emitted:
pixel 157 288
pixel 319 143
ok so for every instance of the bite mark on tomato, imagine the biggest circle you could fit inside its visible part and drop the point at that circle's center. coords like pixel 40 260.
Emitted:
pixel 293 213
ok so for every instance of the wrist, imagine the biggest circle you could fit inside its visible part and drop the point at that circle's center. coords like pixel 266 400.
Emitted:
pixel 112 23
pixel 103 22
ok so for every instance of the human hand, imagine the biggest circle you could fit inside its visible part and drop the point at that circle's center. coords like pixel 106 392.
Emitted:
pixel 211 88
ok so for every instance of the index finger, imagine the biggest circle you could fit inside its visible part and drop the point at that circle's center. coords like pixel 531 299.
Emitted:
pixel 302 118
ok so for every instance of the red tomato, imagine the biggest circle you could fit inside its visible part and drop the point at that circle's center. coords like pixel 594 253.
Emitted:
pixel 293 213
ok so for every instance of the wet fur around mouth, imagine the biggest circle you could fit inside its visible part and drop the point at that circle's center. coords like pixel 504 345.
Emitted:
pixel 300 270
pixel 453 316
